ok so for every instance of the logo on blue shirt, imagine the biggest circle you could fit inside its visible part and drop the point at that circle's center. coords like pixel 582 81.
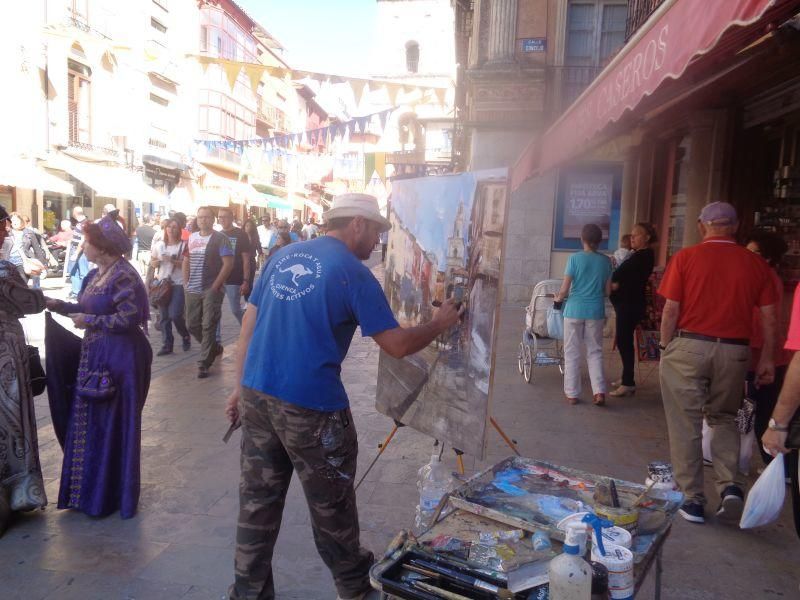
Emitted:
pixel 299 269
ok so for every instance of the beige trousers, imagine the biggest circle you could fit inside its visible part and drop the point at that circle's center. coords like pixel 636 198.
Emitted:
pixel 703 379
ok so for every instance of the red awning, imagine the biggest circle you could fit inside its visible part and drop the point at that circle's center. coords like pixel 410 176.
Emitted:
pixel 663 48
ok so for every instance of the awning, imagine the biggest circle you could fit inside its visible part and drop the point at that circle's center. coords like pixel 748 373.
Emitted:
pixel 106 180
pixel 313 206
pixel 278 202
pixel 27 174
pixel 221 191
pixel 678 33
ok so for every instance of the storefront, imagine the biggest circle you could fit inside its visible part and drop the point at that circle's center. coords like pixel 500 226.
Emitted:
pixel 690 116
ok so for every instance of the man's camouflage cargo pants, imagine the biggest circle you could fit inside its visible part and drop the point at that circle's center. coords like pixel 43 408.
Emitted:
pixel 277 439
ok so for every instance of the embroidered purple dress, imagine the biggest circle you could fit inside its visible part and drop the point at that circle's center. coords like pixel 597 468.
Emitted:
pixel 100 474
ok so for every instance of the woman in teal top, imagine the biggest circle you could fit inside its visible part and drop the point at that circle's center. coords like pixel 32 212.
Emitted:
pixel 586 284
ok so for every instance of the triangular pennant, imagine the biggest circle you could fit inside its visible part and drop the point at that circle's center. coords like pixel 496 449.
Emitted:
pixel 440 95
pixel 254 72
pixel 232 70
pixel 393 91
pixel 358 88
pixel 383 116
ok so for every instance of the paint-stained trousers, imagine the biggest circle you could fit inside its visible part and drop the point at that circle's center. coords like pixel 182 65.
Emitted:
pixel 700 378
pixel 277 439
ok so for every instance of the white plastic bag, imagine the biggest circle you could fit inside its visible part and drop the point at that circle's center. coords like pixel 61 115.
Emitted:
pixel 765 500
pixel 746 443
pixel 555 324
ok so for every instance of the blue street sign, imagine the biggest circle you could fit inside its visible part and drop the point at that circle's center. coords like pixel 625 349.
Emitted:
pixel 534 45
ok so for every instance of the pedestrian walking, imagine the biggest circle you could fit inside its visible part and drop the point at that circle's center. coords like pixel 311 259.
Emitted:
pixel 585 288
pixel 207 263
pixel 628 284
pixel 255 254
pixel 294 409
pixel 21 482
pixel 77 265
pixel 311 229
pixel 144 243
pixel 711 290
pixel 771 247
pixel 167 260
pixel 266 235
pixel 101 469
pixel 238 282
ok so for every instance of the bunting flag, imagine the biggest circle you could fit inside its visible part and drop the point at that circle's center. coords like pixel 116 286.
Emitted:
pixel 440 96
pixel 232 71
pixel 357 84
pixel 255 73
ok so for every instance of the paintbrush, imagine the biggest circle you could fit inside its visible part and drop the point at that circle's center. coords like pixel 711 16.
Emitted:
pixel 643 494
pixel 612 489
pixel 432 589
pixel 397 542
pixel 465 580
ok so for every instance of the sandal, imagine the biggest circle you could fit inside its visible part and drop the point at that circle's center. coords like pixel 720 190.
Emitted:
pixel 599 400
pixel 572 401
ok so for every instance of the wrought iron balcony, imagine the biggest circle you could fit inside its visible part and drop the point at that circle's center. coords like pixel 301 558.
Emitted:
pixel 76 145
pixel 566 82
pixel 638 13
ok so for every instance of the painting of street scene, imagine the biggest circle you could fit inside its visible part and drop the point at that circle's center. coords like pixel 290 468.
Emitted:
pixel 445 242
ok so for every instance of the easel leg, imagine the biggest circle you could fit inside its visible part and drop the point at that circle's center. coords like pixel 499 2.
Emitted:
pixel 509 442
pixel 659 568
pixel 381 448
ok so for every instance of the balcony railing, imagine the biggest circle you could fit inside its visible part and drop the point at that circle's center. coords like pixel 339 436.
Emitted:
pixel 91 148
pixel 565 83
pixel 638 13
pixel 273 117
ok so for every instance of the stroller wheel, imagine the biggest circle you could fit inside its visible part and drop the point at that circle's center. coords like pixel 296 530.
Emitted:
pixel 527 366
pixel 521 357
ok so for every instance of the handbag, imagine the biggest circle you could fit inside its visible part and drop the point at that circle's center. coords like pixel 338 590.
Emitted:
pixel 36 371
pixel 555 323
pixel 33 267
pixel 160 293
pixel 96 385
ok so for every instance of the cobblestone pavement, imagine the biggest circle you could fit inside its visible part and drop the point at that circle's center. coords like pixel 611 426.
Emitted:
pixel 180 545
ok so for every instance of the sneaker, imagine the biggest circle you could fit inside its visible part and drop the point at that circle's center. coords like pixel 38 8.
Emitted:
pixel 730 509
pixel 187 343
pixel 692 512
pixel 164 351
pixel 202 372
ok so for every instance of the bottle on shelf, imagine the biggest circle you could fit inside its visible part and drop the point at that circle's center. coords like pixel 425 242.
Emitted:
pixel 434 481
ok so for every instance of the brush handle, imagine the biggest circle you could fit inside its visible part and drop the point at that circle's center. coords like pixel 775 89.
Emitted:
pixel 467 580
pixel 432 589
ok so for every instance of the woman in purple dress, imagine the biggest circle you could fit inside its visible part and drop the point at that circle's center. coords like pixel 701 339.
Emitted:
pixel 100 474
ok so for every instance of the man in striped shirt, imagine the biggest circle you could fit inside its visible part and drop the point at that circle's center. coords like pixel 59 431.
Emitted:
pixel 207 262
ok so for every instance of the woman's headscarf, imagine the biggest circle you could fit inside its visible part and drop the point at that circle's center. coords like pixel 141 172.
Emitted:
pixel 114 234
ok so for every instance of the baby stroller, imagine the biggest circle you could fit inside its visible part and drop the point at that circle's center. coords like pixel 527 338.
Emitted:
pixel 537 348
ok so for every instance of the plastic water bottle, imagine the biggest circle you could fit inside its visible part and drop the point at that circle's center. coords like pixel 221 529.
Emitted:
pixel 434 481
pixel 570 574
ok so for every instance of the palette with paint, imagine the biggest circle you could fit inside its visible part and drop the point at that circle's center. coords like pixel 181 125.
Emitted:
pixel 532 494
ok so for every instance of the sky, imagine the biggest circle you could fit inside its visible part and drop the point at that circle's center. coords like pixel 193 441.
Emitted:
pixel 330 36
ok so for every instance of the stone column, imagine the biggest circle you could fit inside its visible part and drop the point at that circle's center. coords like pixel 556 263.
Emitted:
pixel 502 31
pixel 706 129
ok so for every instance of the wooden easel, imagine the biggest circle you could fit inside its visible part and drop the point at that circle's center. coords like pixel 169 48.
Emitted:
pixel 510 442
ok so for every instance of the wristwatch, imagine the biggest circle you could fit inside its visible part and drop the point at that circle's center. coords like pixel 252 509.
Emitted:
pixel 775 427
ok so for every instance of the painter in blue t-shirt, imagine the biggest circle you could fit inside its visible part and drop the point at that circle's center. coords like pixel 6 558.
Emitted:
pixel 590 272
pixel 310 299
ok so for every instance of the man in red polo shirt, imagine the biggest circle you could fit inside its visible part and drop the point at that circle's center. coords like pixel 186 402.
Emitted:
pixel 711 290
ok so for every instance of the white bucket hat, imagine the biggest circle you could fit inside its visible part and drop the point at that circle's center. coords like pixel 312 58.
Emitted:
pixel 357 205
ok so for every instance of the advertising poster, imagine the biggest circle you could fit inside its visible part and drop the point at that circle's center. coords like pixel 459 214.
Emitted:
pixel 588 195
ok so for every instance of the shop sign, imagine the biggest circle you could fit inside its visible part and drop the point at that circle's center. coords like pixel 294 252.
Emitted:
pixel 534 45
pixel 589 194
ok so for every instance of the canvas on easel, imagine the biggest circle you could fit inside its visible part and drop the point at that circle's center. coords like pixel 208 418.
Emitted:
pixel 446 242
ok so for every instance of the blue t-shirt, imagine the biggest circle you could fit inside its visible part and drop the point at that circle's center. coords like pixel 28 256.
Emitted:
pixel 587 295
pixel 310 299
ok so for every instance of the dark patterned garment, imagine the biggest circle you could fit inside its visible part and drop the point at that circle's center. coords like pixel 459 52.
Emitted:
pixel 100 474
pixel 21 485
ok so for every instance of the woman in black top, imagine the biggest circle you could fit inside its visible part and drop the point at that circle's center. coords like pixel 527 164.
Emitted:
pixel 628 284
